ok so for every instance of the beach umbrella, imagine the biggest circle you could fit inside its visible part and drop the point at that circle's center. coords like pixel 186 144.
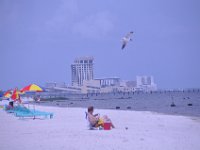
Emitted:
pixel 7 94
pixel 15 95
pixel 32 88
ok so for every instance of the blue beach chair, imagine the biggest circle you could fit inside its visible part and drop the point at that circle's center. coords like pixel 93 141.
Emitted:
pixel 33 113
pixel 21 111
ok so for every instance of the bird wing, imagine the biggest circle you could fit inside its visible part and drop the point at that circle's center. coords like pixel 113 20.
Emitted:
pixel 123 45
pixel 129 34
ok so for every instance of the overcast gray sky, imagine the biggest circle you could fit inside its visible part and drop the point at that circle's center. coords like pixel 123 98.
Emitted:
pixel 39 39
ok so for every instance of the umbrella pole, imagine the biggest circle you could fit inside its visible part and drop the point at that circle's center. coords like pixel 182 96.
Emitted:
pixel 34 110
pixel 34 106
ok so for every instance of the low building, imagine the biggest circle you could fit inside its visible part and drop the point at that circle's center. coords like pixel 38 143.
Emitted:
pixel 91 86
pixel 146 83
pixel 54 84
pixel 106 82
pixel 100 85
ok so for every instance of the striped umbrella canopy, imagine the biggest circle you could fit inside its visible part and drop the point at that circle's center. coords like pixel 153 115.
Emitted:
pixel 7 94
pixel 32 88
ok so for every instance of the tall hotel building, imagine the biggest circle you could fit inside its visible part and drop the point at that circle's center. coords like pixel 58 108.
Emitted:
pixel 82 69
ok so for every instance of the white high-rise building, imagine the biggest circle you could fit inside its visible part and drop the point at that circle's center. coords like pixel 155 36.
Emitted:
pixel 82 69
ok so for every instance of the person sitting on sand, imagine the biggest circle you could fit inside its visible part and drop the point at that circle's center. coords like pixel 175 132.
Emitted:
pixel 96 120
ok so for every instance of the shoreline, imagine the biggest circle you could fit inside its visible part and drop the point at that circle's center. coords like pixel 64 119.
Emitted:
pixel 186 103
pixel 193 111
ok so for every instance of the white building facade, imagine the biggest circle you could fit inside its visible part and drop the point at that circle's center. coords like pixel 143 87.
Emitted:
pixel 82 69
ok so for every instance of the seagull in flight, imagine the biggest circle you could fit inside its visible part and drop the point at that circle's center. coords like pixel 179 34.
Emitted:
pixel 126 39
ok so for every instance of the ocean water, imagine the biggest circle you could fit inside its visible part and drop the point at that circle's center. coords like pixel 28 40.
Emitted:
pixel 186 103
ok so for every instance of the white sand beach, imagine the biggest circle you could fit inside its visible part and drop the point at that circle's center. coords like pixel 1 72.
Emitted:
pixel 68 131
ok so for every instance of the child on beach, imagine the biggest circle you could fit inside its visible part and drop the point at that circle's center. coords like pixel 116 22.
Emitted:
pixel 96 120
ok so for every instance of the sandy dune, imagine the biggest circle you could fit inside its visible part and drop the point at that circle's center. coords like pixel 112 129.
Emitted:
pixel 68 131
